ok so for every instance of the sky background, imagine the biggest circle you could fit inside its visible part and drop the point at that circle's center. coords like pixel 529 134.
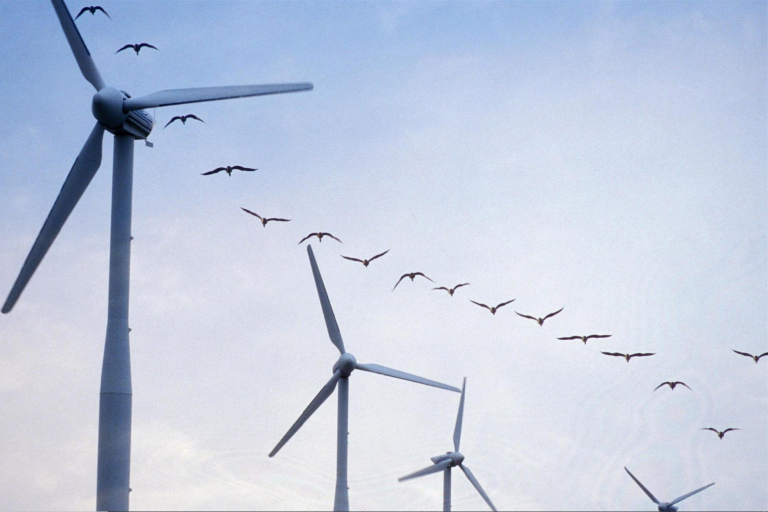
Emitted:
pixel 608 158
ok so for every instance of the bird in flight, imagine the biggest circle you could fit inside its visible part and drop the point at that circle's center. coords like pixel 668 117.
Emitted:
pixel 672 385
pixel 494 309
pixel 228 169
pixel 756 358
pixel 720 434
pixel 368 261
pixel 92 9
pixel 136 47
pixel 541 320
pixel 585 338
pixel 264 220
pixel 183 119
pixel 629 356
pixel 412 275
pixel 450 290
pixel 319 237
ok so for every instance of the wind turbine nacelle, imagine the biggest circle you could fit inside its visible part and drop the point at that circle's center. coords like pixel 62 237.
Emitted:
pixel 440 458
pixel 107 108
pixel 666 507
pixel 139 124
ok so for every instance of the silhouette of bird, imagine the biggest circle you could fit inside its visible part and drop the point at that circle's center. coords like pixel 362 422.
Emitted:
pixel 228 169
pixel 494 309
pixel 412 275
pixel 720 434
pixel 92 9
pixel 672 385
pixel 183 119
pixel 264 220
pixel 136 47
pixel 541 320
pixel 365 262
pixel 585 338
pixel 629 356
pixel 450 290
pixel 756 358
pixel 319 237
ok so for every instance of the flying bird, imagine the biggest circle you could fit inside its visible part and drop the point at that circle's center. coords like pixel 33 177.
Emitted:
pixel 412 275
pixel 319 237
pixel 585 338
pixel 264 220
pixel 136 47
pixel 672 385
pixel 494 309
pixel 183 119
pixel 720 434
pixel 628 356
pixel 756 358
pixel 92 9
pixel 541 320
pixel 228 169
pixel 366 262
pixel 450 290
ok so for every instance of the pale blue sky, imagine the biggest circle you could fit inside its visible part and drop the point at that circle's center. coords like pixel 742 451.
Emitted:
pixel 605 157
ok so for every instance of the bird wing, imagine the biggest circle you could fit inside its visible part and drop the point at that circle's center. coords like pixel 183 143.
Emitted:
pixel 249 211
pixel 421 274
pixel 351 259
pixel 761 355
pixel 306 237
pixel 479 304
pixel 142 45
pixel 213 171
pixel 398 281
pixel 599 336
pixel 552 314
pixel 174 118
pixel 744 353
pixel 729 429
pixel 378 255
pixel 526 316
pixel 663 383
pixel 683 384
pixel 505 303
pixel 241 168
pixel 438 288
pixel 193 116
pixel 614 354
pixel 570 338
pixel 330 235
pixel 100 8
pixel 460 285
pixel 81 12
pixel 642 354
pixel 124 48
pixel 278 220
pixel 712 429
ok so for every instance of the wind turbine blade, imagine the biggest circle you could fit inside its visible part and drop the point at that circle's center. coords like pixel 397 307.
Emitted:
pixel 200 94
pixel 81 174
pixel 314 405
pixel 474 481
pixel 459 418
pixel 646 491
pixel 681 498
pixel 325 303
pixel 82 55
pixel 440 466
pixel 389 372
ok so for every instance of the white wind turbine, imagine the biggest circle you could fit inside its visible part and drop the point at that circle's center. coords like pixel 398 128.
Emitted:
pixel 450 460
pixel 342 369
pixel 121 115
pixel 663 505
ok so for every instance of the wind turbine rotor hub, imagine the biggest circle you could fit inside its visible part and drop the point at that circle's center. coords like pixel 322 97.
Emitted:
pixel 666 507
pixel 456 458
pixel 346 363
pixel 107 107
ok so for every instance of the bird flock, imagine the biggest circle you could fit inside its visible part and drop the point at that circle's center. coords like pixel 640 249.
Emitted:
pixel 451 290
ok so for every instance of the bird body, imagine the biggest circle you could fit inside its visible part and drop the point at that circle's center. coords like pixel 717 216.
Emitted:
pixel 319 237
pixel 628 356
pixel 719 433
pixel 540 321
pixel 492 309
pixel 92 9
pixel 228 169
pixel 586 338
pixel 672 385
pixel 412 275
pixel 183 119
pixel 264 220
pixel 756 358
pixel 450 290
pixel 368 261
pixel 136 47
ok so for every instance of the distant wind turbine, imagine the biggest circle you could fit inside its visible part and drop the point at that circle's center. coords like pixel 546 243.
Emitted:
pixel 663 505
pixel 342 369
pixel 450 460
pixel 115 111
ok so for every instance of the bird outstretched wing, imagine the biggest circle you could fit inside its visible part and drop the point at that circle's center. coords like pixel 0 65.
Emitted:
pixel 351 259
pixel 683 384
pixel 599 336
pixel 644 354
pixel 146 45
pixel 744 353
pixel 571 338
pixel 729 429
pixel 422 275
pixel 84 9
pixel 505 303
pixel 552 314
pixel 277 219
pixel 125 48
pixel 218 169
pixel 193 116
pixel 481 305
pixel 528 316
pixel 378 255
pixel 307 237
pixel 663 384
pixel 241 168
pixel 460 285
pixel 762 355
pixel 712 429
pixel 100 8
pixel 617 354
pixel 174 118
pixel 403 277
pixel 330 235
pixel 438 288
pixel 246 210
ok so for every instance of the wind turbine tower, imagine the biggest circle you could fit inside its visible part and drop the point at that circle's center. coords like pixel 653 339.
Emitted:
pixel 123 116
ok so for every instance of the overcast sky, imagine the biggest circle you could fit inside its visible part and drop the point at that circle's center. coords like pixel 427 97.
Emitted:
pixel 608 158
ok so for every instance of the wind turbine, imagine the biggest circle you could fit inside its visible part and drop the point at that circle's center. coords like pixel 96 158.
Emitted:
pixel 450 460
pixel 663 505
pixel 342 369
pixel 120 114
